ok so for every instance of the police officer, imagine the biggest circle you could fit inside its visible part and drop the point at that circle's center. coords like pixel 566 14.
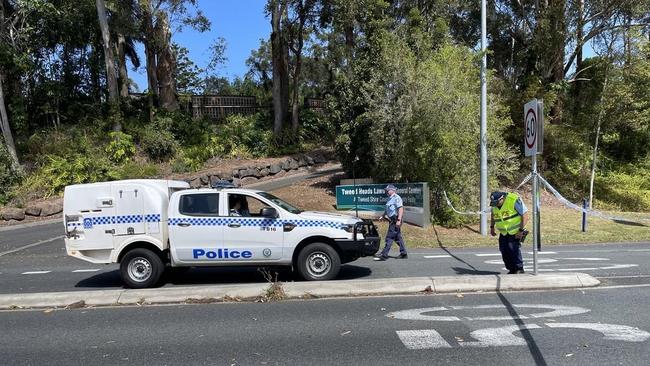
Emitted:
pixel 509 218
pixel 394 213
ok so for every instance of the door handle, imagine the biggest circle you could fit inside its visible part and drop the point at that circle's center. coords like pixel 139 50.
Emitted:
pixel 184 224
pixel 234 225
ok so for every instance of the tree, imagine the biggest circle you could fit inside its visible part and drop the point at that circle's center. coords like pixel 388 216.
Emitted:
pixel 280 62
pixel 4 118
pixel 304 14
pixel 166 65
pixel 188 74
pixel 109 60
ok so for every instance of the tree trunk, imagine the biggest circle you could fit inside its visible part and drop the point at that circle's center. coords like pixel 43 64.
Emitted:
pixel 6 129
pixel 109 60
pixel 579 34
pixel 166 66
pixel 121 59
pixel 279 58
pixel 295 104
pixel 150 54
pixel 598 124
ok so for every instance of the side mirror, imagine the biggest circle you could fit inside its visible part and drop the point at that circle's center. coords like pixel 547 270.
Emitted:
pixel 269 212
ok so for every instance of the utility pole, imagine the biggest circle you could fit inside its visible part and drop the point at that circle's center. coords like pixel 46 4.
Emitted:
pixel 484 168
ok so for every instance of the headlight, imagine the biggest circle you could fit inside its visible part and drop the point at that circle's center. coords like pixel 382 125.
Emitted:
pixel 348 228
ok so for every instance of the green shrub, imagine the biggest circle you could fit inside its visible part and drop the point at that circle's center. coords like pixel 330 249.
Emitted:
pixel 9 175
pixel 243 135
pixel 121 148
pixel 158 143
pixel 76 169
pixel 137 170
pixel 187 130
pixel 315 127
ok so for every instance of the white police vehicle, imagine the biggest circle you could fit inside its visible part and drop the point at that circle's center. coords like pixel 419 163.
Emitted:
pixel 147 224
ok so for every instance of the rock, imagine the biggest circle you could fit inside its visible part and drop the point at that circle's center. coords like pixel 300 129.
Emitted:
pixel 302 161
pixel 205 179
pixel 51 208
pixel 195 183
pixel 286 164
pixel 235 172
pixel 310 160
pixel 236 182
pixel 33 210
pixel 248 180
pixel 258 172
pixel 213 179
pixel 11 213
pixel 264 172
pixel 275 168
pixel 293 164
pixel 319 159
pixel 280 174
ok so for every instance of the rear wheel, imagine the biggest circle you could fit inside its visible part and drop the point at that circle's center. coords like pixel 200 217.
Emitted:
pixel 141 268
pixel 318 261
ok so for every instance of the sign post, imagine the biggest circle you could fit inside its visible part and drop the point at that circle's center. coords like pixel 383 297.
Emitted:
pixel 533 129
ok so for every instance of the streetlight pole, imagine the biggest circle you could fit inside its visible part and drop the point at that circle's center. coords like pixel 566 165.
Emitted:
pixel 484 168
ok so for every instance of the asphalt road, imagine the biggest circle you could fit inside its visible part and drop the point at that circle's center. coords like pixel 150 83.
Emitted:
pixel 599 326
pixel 46 267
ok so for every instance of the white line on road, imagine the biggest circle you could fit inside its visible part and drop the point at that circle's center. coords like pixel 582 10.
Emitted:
pixel 85 270
pixel 422 339
pixel 614 287
pixel 35 272
pixel 538 253
pixel 488 255
pixel 437 256
pixel 31 245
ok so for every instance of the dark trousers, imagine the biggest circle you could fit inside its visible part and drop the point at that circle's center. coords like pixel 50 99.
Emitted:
pixel 510 248
pixel 394 234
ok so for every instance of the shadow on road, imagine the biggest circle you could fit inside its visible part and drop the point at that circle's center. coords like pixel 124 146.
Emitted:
pixel 460 270
pixel 216 276
pixel 528 337
pixel 467 271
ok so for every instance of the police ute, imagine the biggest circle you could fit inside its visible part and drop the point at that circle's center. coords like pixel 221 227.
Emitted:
pixel 146 225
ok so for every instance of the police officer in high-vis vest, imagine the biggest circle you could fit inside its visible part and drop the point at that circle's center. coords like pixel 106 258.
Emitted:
pixel 509 218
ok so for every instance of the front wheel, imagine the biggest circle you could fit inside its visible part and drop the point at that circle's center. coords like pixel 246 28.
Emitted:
pixel 141 268
pixel 318 261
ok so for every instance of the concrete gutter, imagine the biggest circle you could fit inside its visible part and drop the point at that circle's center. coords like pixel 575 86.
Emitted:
pixel 298 290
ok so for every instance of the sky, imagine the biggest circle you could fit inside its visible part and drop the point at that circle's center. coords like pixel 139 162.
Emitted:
pixel 241 23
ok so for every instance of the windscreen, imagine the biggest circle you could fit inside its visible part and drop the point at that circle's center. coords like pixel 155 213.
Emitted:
pixel 280 202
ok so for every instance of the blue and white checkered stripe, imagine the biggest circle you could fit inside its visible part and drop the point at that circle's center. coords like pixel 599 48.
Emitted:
pixel 123 219
pixel 152 218
pixel 252 222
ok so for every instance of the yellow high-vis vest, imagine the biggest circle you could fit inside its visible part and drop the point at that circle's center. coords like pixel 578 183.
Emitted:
pixel 506 219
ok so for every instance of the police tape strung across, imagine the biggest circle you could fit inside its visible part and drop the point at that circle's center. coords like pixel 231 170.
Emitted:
pixel 221 254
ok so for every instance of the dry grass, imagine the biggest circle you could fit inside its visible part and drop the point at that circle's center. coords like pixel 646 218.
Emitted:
pixel 558 225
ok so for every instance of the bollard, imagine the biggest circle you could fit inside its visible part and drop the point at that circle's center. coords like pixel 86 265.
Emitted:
pixel 585 206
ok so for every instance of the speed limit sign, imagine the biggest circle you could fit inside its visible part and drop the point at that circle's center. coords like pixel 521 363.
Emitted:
pixel 533 127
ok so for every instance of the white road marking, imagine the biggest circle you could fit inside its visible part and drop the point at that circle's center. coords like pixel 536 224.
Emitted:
pixel 505 336
pixel 538 253
pixel 419 314
pixel 437 256
pixel 498 337
pixel 85 270
pixel 587 259
pixel 31 245
pixel 614 332
pixel 488 254
pixel 35 272
pixel 422 339
pixel 614 287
